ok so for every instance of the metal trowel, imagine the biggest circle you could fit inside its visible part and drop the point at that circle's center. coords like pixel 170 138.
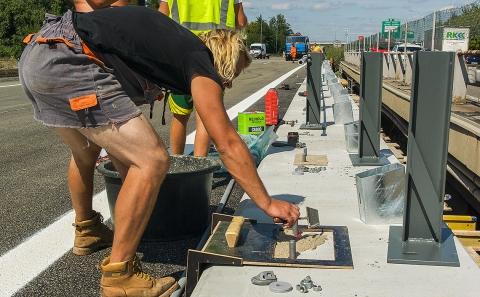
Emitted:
pixel 312 219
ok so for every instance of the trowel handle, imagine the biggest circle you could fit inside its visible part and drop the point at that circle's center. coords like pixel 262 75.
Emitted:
pixel 278 220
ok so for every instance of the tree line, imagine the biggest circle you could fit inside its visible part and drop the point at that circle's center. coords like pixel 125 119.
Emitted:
pixel 272 33
pixel 18 18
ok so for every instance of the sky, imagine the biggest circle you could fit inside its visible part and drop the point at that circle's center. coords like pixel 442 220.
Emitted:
pixel 326 20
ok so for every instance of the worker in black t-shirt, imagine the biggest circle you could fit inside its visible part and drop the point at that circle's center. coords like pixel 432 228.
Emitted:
pixel 86 84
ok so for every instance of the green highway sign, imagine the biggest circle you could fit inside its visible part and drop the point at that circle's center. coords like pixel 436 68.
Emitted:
pixel 391 26
pixel 410 34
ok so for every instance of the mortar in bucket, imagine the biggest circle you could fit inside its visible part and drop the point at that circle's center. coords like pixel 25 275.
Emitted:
pixel 182 206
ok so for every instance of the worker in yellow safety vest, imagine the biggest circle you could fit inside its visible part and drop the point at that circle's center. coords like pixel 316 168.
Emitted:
pixel 204 16
pixel 198 17
pixel 316 48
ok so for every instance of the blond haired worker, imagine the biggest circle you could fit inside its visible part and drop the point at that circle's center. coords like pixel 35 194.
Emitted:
pixel 198 17
pixel 85 82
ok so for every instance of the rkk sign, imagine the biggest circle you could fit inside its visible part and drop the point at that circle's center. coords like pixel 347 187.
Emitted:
pixel 456 35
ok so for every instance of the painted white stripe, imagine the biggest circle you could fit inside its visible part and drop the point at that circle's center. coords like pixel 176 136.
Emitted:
pixel 243 105
pixel 22 264
pixel 9 86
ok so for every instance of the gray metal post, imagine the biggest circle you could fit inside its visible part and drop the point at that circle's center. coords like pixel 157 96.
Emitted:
pixel 314 92
pixel 371 76
pixel 424 238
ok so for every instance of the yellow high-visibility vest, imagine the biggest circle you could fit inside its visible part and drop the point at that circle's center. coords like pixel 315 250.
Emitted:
pixel 203 16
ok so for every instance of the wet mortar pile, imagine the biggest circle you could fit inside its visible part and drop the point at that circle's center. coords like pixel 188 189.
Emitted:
pixel 305 243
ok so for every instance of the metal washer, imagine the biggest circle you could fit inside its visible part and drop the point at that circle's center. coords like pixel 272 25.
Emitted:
pixel 280 287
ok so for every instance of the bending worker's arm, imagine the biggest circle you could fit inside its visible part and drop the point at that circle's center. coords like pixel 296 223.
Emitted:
pixel 207 96
pixel 163 8
pixel 240 17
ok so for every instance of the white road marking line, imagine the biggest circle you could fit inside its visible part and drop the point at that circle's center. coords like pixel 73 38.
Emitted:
pixel 9 86
pixel 26 261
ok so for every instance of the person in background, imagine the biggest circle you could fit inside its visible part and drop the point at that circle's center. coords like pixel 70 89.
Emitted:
pixel 293 52
pixel 316 48
pixel 89 95
pixel 198 17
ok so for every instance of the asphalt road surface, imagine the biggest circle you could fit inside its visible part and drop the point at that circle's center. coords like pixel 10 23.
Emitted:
pixel 34 191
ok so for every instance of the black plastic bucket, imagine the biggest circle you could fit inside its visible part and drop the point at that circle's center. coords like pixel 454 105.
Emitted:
pixel 182 207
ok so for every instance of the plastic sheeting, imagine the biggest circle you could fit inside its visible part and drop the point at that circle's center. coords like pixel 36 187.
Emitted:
pixel 351 136
pixel 341 97
pixel 342 112
pixel 381 194
pixel 335 87
pixel 257 144
pixel 340 94
pixel 332 79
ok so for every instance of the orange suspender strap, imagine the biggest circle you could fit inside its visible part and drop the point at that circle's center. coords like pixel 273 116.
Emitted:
pixel 27 38
pixel 86 50
pixel 90 54
pixel 41 39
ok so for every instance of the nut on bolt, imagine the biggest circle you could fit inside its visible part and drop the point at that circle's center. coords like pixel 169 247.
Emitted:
pixel 307 282
pixel 300 144
pixel 302 289
pixel 291 123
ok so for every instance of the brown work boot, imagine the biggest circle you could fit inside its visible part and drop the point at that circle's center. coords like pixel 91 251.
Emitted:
pixel 91 235
pixel 127 279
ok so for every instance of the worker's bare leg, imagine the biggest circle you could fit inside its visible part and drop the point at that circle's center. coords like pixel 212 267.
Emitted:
pixel 136 144
pixel 202 139
pixel 178 133
pixel 90 232
pixel 80 171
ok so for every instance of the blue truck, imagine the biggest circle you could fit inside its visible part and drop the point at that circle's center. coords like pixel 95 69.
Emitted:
pixel 301 43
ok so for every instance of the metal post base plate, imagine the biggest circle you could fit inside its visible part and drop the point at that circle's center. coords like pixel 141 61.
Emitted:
pixel 311 127
pixel 368 161
pixel 422 252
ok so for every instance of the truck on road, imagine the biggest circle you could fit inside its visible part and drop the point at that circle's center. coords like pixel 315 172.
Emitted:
pixel 258 51
pixel 452 39
pixel 301 43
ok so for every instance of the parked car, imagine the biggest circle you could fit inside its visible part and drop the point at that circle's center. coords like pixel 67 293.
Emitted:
pixel 400 48
pixel 382 46
pixel 472 59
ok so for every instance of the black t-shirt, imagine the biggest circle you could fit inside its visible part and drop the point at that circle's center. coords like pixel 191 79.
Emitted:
pixel 148 42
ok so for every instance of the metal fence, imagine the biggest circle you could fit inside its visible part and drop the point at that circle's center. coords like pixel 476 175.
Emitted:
pixel 419 27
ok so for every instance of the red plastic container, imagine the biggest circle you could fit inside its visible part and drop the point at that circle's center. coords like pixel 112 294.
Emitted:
pixel 271 107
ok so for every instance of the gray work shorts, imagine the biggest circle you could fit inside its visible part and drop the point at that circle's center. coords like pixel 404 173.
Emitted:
pixel 69 88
